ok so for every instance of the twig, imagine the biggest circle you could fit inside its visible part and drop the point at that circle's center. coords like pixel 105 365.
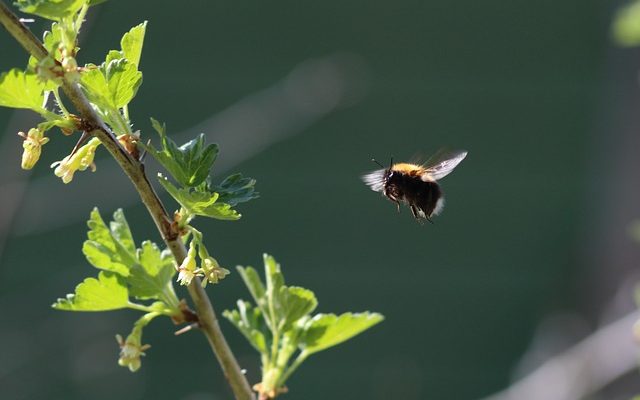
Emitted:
pixel 582 369
pixel 134 170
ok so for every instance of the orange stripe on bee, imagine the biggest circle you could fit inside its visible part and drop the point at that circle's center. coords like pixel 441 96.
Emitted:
pixel 409 169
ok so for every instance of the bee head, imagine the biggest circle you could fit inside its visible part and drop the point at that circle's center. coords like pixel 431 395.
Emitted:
pixel 388 175
pixel 388 172
pixel 379 179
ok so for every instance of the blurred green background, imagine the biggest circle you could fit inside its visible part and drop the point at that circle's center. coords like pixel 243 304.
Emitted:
pixel 300 96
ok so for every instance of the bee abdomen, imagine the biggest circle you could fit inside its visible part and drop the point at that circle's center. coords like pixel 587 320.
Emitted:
pixel 423 197
pixel 426 196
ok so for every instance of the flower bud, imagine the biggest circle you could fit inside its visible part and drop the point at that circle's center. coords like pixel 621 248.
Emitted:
pixel 32 146
pixel 49 70
pixel 69 64
pixel 70 67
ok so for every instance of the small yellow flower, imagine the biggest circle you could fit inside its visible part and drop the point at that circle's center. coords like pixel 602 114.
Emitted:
pixel 32 146
pixel 130 352
pixel 187 270
pixel 185 276
pixel 64 169
pixel 213 272
pixel 79 161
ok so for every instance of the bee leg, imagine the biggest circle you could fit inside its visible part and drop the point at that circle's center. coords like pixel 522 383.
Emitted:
pixel 392 198
pixel 414 211
pixel 395 201
pixel 416 214
pixel 419 214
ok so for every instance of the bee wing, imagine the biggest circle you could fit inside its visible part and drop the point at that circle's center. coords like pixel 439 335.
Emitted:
pixel 375 180
pixel 443 162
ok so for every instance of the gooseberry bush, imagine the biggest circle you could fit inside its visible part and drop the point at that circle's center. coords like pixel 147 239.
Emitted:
pixel 92 100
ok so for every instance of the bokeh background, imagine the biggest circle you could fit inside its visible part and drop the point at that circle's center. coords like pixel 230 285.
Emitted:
pixel 531 255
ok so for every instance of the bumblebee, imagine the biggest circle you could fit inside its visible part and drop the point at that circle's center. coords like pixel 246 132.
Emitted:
pixel 416 185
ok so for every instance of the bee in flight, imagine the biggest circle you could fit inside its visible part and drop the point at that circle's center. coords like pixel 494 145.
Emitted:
pixel 416 185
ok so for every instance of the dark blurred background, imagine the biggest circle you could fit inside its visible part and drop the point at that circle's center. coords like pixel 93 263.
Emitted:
pixel 531 254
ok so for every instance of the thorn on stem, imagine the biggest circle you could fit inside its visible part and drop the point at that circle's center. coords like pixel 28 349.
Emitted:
pixel 186 329
pixel 85 136
pixel 144 152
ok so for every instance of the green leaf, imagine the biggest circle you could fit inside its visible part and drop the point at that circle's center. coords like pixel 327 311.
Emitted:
pixel 252 280
pixel 132 42
pixel 152 274
pixel 296 302
pixel 95 86
pixel 102 294
pixel 190 163
pixel 98 230
pixel 275 283
pixel 123 79
pixel 22 90
pixel 147 271
pixel 327 330
pixel 248 320
pixel 113 85
pixel 235 189
pixel 113 55
pixel 50 39
pixel 120 231
pixel 131 46
pixel 199 202
pixel 51 9
pixel 102 257
pixel 104 248
pixel 286 304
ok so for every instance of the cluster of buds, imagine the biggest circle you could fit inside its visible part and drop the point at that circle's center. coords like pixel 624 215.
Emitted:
pixel 131 350
pixel 77 161
pixel 209 269
pixel 32 146
pixel 48 69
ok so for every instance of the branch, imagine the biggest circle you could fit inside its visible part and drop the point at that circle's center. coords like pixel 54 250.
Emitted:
pixel 135 171
pixel 583 369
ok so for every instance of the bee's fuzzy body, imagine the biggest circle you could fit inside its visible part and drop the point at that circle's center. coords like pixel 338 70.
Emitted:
pixel 415 185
